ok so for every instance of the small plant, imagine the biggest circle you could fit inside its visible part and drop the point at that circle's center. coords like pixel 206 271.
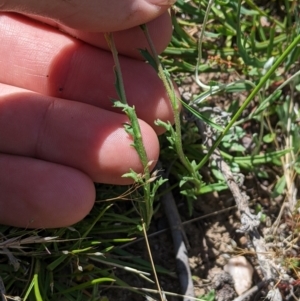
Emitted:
pixel 243 60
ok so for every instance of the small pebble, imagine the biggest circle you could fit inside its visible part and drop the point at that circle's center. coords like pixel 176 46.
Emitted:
pixel 241 272
pixel 243 241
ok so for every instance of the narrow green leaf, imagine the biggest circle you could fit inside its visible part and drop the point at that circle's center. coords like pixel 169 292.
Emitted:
pixel 268 102
pixel 29 289
pixel 87 284
pixel 202 117
pixel 279 187
pixel 149 58
pixel 37 289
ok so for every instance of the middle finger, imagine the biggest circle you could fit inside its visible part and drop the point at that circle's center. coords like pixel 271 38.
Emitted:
pixel 42 59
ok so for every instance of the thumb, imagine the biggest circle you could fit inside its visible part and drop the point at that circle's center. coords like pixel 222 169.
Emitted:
pixel 91 15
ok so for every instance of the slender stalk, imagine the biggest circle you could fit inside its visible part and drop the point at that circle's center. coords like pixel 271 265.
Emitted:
pixel 174 103
pixel 152 263
pixel 200 40
pixel 111 43
pixel 37 292
pixel 135 131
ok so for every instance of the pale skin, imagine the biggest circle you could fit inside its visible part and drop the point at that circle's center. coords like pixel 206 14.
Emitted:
pixel 58 130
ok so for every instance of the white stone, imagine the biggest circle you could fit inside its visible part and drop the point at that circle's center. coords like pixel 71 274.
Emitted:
pixel 241 272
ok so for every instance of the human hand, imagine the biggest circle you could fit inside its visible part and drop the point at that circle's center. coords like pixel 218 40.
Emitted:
pixel 58 130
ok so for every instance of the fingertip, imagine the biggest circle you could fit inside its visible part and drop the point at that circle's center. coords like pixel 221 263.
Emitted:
pixel 78 202
pixel 39 194
pixel 91 15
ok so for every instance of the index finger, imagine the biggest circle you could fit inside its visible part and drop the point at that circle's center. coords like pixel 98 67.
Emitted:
pixel 91 15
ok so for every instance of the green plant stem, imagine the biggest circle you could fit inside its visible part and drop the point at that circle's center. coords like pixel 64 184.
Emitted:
pixel 256 90
pixel 111 43
pixel 134 130
pixel 131 111
pixel 37 292
pixel 174 103
pixel 200 40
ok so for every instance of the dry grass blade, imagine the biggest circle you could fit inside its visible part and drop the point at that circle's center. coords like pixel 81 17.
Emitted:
pixel 17 242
